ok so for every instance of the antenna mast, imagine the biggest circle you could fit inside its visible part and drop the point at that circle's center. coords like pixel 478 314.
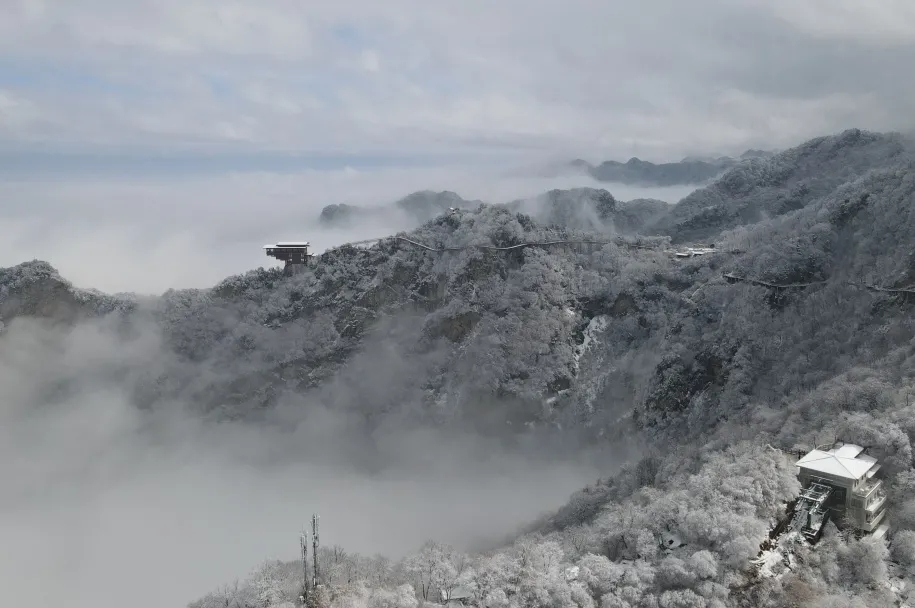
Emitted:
pixel 314 549
pixel 303 541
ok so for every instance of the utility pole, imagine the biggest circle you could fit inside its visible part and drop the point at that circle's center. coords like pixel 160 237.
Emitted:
pixel 314 549
pixel 303 541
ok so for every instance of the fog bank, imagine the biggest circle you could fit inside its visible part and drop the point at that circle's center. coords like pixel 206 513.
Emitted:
pixel 151 233
pixel 106 506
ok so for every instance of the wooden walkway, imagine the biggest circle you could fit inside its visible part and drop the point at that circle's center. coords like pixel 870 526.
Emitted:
pixel 590 247
pixel 578 246
pixel 583 246
pixel 732 278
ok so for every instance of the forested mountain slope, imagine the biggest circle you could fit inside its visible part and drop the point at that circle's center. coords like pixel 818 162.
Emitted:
pixel 36 290
pixel 591 209
pixel 578 208
pixel 712 376
pixel 762 188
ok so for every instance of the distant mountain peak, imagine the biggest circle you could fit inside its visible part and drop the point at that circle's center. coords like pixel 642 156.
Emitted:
pixel 692 170
pixel 767 185
pixel 756 154
pixel 420 206
pixel 35 288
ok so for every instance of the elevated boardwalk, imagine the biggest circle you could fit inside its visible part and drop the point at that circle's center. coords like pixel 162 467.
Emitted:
pixel 577 246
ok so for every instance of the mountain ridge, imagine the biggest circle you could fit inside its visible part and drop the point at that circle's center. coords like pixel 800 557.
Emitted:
pixel 692 170
pixel 714 380
pixel 352 288
pixel 419 207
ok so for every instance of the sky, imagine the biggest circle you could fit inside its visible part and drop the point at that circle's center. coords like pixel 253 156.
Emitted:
pixel 414 78
pixel 170 128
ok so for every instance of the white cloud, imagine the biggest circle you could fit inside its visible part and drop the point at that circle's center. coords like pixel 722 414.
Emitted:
pixel 882 22
pixel 415 76
pixel 371 61
pixel 167 26
pixel 16 114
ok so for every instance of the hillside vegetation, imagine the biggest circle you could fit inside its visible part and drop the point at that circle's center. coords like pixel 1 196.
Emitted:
pixel 711 378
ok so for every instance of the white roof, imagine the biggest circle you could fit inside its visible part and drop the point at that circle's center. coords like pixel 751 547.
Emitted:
pixel 835 463
pixel 850 450
pixel 287 244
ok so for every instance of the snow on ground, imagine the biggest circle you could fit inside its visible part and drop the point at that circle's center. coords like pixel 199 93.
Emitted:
pixel 775 562
pixel 595 327
pixel 769 562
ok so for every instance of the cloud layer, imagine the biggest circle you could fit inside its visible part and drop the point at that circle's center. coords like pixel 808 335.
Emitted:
pixel 658 78
pixel 152 233
pixel 107 505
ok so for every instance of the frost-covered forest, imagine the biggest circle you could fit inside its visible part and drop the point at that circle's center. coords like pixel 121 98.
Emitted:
pixel 711 379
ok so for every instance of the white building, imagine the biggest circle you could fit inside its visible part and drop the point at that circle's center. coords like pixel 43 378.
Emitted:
pixel 852 493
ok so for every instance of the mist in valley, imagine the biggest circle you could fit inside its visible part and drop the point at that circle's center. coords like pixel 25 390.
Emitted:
pixel 105 501
pixel 145 234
